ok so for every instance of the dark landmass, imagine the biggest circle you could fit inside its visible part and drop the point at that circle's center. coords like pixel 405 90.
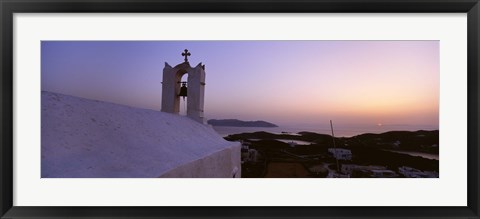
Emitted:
pixel 239 123
pixel 367 150
pixel 418 141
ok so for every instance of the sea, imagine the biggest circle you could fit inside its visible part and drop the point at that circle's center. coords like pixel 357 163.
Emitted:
pixel 339 130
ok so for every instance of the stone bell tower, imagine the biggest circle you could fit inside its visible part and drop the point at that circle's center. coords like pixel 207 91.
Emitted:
pixel 171 86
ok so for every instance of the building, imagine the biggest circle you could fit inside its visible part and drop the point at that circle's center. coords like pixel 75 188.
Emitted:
pixel 396 144
pixel 351 168
pixel 410 172
pixel 82 138
pixel 248 154
pixel 383 174
pixel 360 171
pixel 341 153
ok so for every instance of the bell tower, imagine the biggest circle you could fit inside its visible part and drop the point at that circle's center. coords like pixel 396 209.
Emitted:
pixel 173 88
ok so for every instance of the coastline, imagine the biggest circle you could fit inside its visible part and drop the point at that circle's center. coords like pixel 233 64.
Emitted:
pixel 340 131
pixel 419 154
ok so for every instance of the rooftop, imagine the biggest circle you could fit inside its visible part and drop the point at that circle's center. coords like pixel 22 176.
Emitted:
pixel 88 138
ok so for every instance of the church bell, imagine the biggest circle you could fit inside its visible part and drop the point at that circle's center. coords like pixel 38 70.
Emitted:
pixel 183 90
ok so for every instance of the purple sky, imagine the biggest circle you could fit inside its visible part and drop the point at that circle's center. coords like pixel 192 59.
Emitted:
pixel 284 82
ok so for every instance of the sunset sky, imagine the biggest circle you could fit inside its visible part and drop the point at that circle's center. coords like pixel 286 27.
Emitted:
pixel 284 82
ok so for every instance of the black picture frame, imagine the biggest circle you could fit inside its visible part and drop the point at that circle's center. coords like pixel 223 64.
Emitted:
pixel 9 7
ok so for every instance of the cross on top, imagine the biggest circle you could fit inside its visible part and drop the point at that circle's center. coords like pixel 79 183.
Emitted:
pixel 186 54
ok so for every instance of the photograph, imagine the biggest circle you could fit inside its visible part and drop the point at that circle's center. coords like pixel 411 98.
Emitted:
pixel 240 109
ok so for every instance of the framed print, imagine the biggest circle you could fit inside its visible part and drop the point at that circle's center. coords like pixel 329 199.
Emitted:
pixel 239 109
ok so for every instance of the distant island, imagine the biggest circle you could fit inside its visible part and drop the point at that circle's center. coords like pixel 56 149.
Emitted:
pixel 239 123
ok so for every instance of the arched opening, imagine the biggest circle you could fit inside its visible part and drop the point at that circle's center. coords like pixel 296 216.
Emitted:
pixel 183 100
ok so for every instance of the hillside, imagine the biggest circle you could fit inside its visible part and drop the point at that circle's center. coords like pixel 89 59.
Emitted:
pixel 422 141
pixel 277 153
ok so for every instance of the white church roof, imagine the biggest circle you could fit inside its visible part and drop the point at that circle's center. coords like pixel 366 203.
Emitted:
pixel 88 138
